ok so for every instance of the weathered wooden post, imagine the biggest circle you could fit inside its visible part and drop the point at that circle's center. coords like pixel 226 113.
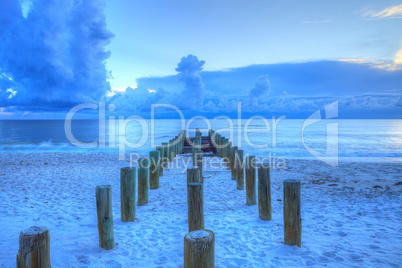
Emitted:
pixel 222 145
pixel 171 151
pixel 251 181
pixel 161 154
pixel 127 194
pixel 195 203
pixel 291 212
pixel 34 248
pixel 165 158
pixel 239 162
pixel 199 249
pixel 227 154
pixel 233 161
pixel 198 160
pixel 264 192
pixel 194 175
pixel 143 181
pixel 154 158
pixel 104 209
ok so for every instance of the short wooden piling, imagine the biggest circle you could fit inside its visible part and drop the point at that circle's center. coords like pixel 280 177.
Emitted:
pixel 161 154
pixel 34 248
pixel 104 209
pixel 195 203
pixel 233 161
pixel 194 175
pixel 291 212
pixel 143 181
pixel 127 194
pixel 154 158
pixel 264 192
pixel 199 249
pixel 251 181
pixel 239 162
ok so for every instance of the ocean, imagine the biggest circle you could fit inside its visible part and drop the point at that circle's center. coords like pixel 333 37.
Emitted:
pixel 350 140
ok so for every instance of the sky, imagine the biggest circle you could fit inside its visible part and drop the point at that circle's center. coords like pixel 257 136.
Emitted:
pixel 275 57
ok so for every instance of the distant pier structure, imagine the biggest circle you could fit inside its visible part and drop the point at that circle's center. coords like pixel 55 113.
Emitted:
pixel 203 142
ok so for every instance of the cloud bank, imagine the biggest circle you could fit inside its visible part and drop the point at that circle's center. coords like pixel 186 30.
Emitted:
pixel 55 55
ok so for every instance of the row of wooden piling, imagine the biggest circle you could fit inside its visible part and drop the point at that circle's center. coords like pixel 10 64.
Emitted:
pixel 248 167
pixel 199 243
pixel 150 169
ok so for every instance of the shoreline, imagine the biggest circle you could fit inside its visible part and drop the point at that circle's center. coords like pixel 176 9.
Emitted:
pixel 351 214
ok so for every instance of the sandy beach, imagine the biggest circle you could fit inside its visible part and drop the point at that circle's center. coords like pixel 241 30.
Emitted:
pixel 352 214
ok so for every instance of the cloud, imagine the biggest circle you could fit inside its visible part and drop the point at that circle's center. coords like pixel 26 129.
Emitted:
pixel 260 90
pixel 54 56
pixel 192 97
pixel 394 12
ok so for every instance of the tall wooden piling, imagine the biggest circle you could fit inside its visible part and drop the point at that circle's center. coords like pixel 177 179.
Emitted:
pixel 194 175
pixel 34 248
pixel 233 161
pixel 251 181
pixel 195 203
pixel 199 249
pixel 239 162
pixel 161 154
pixel 227 155
pixel 127 194
pixel 143 181
pixel 222 145
pixel 165 158
pixel 198 160
pixel 104 209
pixel 264 192
pixel 291 212
pixel 171 151
pixel 154 158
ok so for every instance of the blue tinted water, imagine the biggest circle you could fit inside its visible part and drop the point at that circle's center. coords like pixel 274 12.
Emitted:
pixel 358 139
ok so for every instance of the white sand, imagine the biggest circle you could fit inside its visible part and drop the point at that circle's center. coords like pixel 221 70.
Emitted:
pixel 347 219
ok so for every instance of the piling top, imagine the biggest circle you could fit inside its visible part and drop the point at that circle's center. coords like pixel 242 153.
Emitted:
pixel 291 181
pixel 128 168
pixel 104 187
pixel 199 234
pixel 35 230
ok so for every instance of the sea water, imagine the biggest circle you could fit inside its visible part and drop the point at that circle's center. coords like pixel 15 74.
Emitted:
pixel 356 140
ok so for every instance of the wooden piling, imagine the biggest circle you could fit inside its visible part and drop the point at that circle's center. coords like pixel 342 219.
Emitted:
pixel 233 161
pixel 143 181
pixel 154 158
pixel 198 160
pixel 194 175
pixel 195 203
pixel 165 158
pixel 161 154
pixel 171 151
pixel 264 192
pixel 227 155
pixel 291 212
pixel 104 209
pixel 251 181
pixel 127 194
pixel 199 249
pixel 239 162
pixel 34 248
